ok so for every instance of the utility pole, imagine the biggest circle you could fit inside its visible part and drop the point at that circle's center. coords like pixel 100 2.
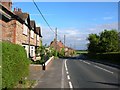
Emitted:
pixel 64 40
pixel 56 41
pixel 64 44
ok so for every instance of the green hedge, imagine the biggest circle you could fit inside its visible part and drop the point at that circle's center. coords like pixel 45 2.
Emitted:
pixel 107 57
pixel 15 64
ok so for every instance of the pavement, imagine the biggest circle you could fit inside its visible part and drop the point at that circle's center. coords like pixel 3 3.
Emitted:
pixel 53 77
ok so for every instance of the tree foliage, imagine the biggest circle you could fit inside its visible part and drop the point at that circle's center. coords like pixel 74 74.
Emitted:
pixel 106 41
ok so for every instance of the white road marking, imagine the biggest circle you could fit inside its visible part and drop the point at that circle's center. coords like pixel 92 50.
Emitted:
pixel 70 84
pixel 62 79
pixel 68 77
pixel 86 62
pixel 66 65
pixel 103 69
pixel 67 72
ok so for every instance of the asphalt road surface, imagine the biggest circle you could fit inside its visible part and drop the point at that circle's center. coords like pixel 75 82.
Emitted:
pixel 88 74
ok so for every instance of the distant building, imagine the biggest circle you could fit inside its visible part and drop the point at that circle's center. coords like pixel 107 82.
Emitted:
pixel 17 28
pixel 58 45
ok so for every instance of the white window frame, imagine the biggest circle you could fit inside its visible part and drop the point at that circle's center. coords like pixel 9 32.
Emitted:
pixel 26 48
pixel 32 34
pixel 38 37
pixel 25 29
pixel 32 51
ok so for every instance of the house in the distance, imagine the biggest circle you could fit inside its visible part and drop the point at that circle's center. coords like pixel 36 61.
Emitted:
pixel 17 28
pixel 58 45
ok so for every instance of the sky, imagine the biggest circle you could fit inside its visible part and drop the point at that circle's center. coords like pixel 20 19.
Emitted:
pixel 75 20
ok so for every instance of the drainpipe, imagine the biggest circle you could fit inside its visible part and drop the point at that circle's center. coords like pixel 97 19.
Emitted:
pixel 29 44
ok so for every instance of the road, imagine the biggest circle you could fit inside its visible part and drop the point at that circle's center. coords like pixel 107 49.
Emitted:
pixel 87 74
pixel 79 73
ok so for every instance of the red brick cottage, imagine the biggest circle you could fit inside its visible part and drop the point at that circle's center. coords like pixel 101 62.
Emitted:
pixel 17 28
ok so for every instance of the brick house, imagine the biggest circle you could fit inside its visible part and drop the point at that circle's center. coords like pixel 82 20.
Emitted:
pixel 17 28
pixel 57 45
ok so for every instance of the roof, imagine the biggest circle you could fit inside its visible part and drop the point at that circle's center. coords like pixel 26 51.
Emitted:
pixel 33 25
pixel 11 14
pixel 38 31
pixel 60 44
pixel 23 16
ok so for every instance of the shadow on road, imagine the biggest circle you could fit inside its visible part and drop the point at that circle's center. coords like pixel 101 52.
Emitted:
pixel 107 83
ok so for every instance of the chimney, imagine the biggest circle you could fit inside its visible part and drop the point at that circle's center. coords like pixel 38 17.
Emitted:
pixel 8 4
pixel 17 11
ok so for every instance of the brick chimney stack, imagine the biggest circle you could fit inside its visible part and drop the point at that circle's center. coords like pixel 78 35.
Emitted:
pixel 7 4
pixel 17 10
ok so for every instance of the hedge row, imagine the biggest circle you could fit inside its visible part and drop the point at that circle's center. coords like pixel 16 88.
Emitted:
pixel 15 64
pixel 106 57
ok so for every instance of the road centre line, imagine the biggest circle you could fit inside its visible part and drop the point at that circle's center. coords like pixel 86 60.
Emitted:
pixel 103 69
pixel 66 65
pixel 70 84
pixel 67 72
pixel 68 77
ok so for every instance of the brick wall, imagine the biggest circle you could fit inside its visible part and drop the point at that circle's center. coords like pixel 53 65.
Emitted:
pixel 20 37
pixel 33 40
pixel 8 30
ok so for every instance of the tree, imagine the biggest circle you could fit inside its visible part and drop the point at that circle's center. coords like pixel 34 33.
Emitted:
pixel 109 41
pixel 94 41
pixel 106 41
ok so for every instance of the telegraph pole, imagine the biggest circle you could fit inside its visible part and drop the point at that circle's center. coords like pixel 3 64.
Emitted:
pixel 56 41
pixel 64 40
pixel 56 38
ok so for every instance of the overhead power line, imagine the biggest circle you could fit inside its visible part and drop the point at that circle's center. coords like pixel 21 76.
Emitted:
pixel 43 16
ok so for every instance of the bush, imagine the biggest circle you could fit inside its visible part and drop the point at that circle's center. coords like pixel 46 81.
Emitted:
pixel 106 57
pixel 15 64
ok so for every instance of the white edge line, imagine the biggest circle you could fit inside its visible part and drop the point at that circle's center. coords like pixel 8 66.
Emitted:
pixel 103 69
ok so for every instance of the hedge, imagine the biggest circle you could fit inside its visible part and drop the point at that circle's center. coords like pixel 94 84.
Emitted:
pixel 107 57
pixel 15 64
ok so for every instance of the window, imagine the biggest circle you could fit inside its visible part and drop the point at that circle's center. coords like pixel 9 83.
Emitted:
pixel 32 51
pixel 32 34
pixel 24 29
pixel 38 37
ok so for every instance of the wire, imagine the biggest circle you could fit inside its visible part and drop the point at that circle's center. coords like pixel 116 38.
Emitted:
pixel 43 16
pixel 45 19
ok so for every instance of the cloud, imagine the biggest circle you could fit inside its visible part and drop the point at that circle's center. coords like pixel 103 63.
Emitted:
pixel 101 27
pixel 107 18
pixel 75 38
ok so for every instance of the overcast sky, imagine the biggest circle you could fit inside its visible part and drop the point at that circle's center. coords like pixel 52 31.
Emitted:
pixel 75 20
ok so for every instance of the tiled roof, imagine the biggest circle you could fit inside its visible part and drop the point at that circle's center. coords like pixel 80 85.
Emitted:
pixel 32 23
pixel 38 31
pixel 23 16
pixel 60 44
